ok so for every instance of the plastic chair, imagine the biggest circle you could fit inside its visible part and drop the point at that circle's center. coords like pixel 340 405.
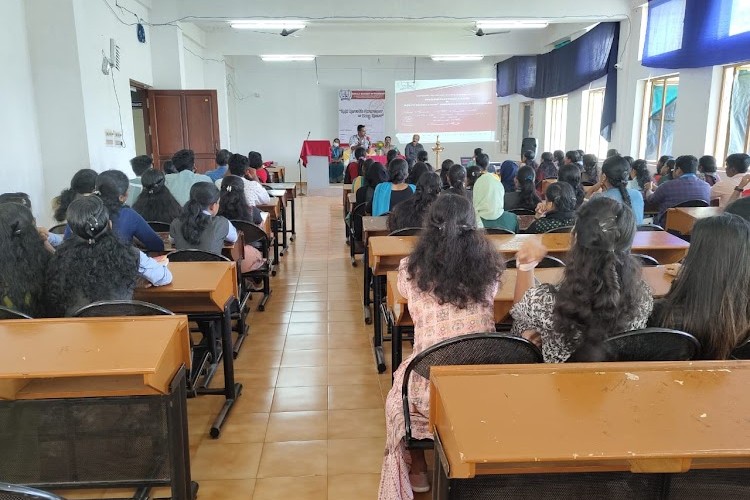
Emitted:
pixel 472 349
pixel 58 229
pixel 159 227
pixel 497 230
pixel 652 344
pixel 254 235
pixel 407 231
pixel 522 211
pixel 17 492
pixel 105 308
pixel 562 229
pixel 646 260
pixel 650 227
pixel 356 245
pixel 8 313
pixel 547 262
pixel 194 255
pixel 692 203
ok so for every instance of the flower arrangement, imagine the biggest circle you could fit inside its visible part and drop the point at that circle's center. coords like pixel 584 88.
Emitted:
pixel 379 147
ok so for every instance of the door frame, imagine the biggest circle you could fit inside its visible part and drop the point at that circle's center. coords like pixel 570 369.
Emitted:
pixel 146 114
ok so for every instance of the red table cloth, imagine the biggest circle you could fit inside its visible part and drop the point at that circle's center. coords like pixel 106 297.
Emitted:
pixel 315 148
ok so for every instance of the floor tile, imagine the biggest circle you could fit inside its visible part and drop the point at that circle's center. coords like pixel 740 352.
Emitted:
pixel 219 460
pixel 303 376
pixel 355 456
pixel 300 399
pixel 351 424
pixel 291 488
pixel 293 458
pixel 348 397
pixel 359 486
pixel 302 342
pixel 297 426
pixel 308 357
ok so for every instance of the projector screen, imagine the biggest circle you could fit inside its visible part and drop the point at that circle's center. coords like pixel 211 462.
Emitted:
pixel 457 110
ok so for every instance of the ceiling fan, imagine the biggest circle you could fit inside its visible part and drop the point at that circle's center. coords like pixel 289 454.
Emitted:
pixel 287 32
pixel 481 32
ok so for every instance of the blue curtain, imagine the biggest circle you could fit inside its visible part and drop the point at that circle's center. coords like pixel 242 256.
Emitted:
pixel 696 33
pixel 566 69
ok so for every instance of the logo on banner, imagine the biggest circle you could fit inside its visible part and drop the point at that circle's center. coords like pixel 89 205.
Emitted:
pixel 345 95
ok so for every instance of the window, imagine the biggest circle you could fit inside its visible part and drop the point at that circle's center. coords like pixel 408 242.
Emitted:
pixel 557 119
pixel 666 19
pixel 739 19
pixel 659 110
pixel 593 142
pixel 504 116
pixel 527 119
pixel 733 130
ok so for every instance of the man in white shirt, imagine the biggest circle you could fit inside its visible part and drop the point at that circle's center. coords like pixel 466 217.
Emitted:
pixel 179 184
pixel 255 194
pixel 360 139
pixel 737 166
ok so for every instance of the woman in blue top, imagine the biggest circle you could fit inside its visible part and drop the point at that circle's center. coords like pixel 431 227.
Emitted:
pixel 615 175
pixel 389 194
pixel 336 167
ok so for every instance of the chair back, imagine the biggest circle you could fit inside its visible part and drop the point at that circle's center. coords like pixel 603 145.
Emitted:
pixel 546 262
pixel 522 211
pixel 159 227
pixel 742 351
pixel 8 313
pixel 562 229
pixel 107 308
pixel 356 225
pixel 497 230
pixel 652 344
pixel 692 203
pixel 407 231
pixel 193 255
pixel 253 235
pixel 58 229
pixel 646 260
pixel 17 492
pixel 649 227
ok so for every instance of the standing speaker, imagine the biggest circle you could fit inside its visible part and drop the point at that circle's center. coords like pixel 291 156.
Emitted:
pixel 528 144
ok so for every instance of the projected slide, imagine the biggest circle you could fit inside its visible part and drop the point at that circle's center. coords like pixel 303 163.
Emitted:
pixel 457 110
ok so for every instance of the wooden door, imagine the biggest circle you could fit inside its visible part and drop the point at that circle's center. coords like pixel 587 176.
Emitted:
pixel 184 119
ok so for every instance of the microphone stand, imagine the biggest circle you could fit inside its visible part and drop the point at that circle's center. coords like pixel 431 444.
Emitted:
pixel 299 167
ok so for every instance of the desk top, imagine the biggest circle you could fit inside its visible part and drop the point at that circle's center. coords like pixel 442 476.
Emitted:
pixel 347 188
pixel 352 197
pixel 277 193
pixel 644 417
pixel 375 224
pixel 700 212
pixel 289 186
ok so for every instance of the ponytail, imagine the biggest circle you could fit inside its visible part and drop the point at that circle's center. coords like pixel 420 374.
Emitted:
pixel 616 169
pixel 192 219
pixel 527 196
pixel 624 193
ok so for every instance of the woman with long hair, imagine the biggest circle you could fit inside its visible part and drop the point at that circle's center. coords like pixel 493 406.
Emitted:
pixel 83 182
pixel 457 181
pixel 524 196
pixel 354 169
pixel 559 209
pixel 639 176
pixel 450 280
pixel 359 181
pixel 707 170
pixel 710 297
pixel 416 172
pixel 94 264
pixel 411 213
pixel 198 226
pixel 615 173
pixel 546 170
pixel 445 169
pixel 508 171
pixel 232 206
pixel 489 203
pixel 389 194
pixel 24 263
pixel 375 174
pixel 590 172
pixel 601 293
pixel 571 174
pixel 472 174
pixel 156 203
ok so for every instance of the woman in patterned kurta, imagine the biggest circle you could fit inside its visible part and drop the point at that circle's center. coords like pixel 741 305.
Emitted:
pixel 450 281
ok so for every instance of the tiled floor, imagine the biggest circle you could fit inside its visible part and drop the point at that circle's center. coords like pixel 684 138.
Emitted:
pixel 309 424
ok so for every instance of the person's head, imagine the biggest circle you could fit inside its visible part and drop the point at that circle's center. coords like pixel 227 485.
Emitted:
pixel 238 165
pixel 364 166
pixel 360 154
pixel 483 161
pixel 20 198
pixel 361 130
pixel 446 165
pixel 336 142
pixel 737 163
pixel 83 182
pixel 559 156
pixel 527 197
pixel 184 159
pixel 590 161
pixel 686 164
pixel 452 260
pixel 477 152
pixel 561 196
pixel 707 164
pixel 709 297
pixel 140 164
pixel 547 157
pixel 581 152
pixel 428 188
pixel 572 156
pixel 571 174
pixel 232 204
pixel 528 156
pixel 222 157
pixel 601 292
pixel 24 263
pixel 155 202
pixel 398 170
pixel 376 174
pixel 112 187
pixel 616 172
pixel 612 152
pixel 204 197
pixel 508 171
pixel 415 139
pixel 416 172
pixel 629 159
pixel 255 160
pixel 391 155
pixel 168 167
pixel 457 177
pixel 639 172
pixel 387 140
pixel 422 156
pixel 663 159
pixel 472 174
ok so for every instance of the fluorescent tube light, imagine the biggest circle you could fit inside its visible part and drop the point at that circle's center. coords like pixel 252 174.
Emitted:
pixel 458 57
pixel 510 24
pixel 286 57
pixel 267 24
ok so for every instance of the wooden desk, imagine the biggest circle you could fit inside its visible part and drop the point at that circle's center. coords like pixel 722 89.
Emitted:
pixel 278 172
pixel 284 196
pixel 291 190
pixel 278 224
pixel 374 226
pixel 233 251
pixel 653 417
pixel 266 223
pixel 683 219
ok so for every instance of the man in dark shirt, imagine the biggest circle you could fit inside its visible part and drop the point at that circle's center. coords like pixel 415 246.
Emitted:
pixel 686 186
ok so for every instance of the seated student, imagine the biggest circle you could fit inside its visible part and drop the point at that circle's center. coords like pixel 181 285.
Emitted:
pixel 483 162
pixel 424 158
pixel 664 169
pixel 444 169
pixel 528 159
pixel 571 174
pixel 354 169
pixel 156 203
pixel 573 157
pixel 389 194
pixel 168 167
pixel 256 161
pixel 24 263
pixel 684 187
pixel 411 213
pixel 19 198
pixel 612 152
pixel 360 179
pixel 524 196
pixel 416 172
pixel 391 155
pixel 232 206
pixel 198 227
pixel 83 182
pixel 222 165
pixel 179 184
pixel 546 170
pixel 457 181
pixel 559 157
pixel 255 194
pixel 139 164
pixel 508 171
pixel 703 299
pixel 489 200
pixel 615 172
pixel 450 280
pixel 707 170
pixel 374 175
pixel 336 167
pixel 601 293
pixel 590 172
pixel 737 166
pixel 737 205
pixel 558 209
pixel 94 264
pixel 472 174
pixel 640 177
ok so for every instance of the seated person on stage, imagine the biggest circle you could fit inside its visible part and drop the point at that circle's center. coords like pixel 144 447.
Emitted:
pixel 359 140
pixel 508 171
pixel 412 150
pixel 179 184
pixel 602 292
pixel 83 182
pixel 416 172
pixel 255 160
pixel 571 174
pixel 590 171
pixel 557 210
pixel 524 196
pixel 450 280
pixel 198 226
pixel 94 264
pixel 354 169
pixel 389 194
pixel 411 213
pixel 139 164
pixel 24 264
pixel 336 167
pixel 445 167
pixel 388 145
pixel 457 181
pixel 685 186
pixel 489 200
pixel 546 170
pixel 703 299
pixel 232 206
pixel 707 170
pixel 737 165
pixel 255 194
pixel 613 184
pixel 156 203
pixel 222 165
